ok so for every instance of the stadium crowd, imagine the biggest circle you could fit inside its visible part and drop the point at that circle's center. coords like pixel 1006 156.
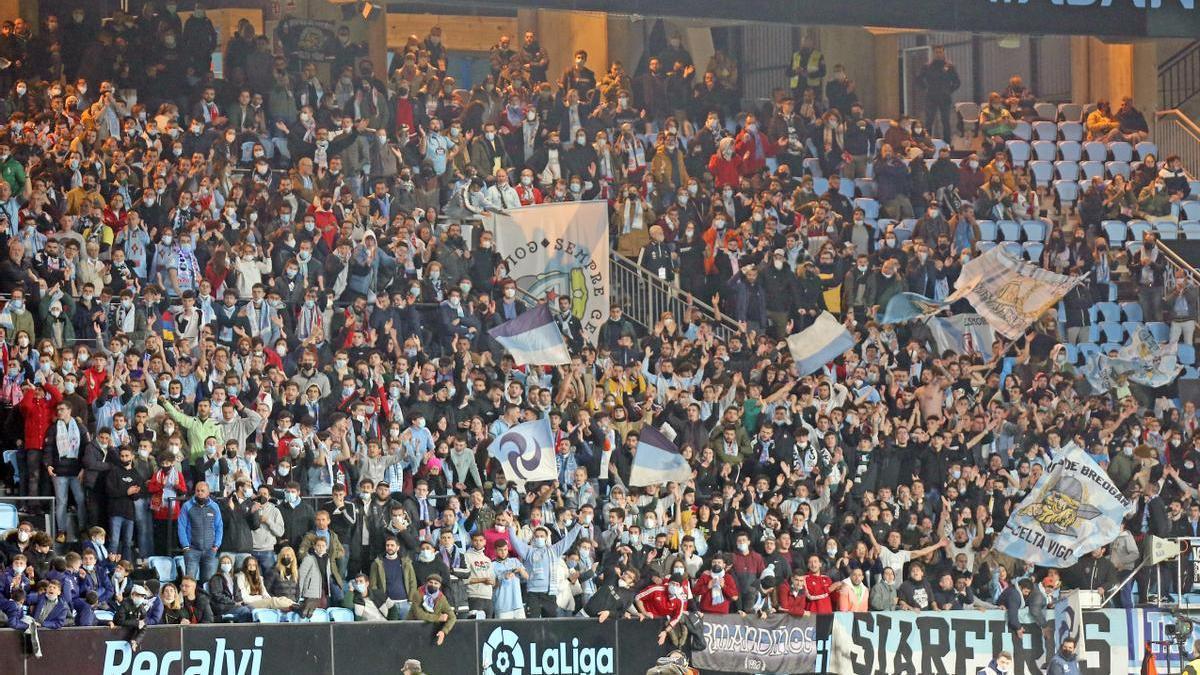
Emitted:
pixel 242 325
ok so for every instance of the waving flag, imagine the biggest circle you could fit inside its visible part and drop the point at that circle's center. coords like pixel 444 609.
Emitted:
pixel 533 338
pixel 526 452
pixel 657 461
pixel 820 343
pixel 1154 363
pixel 1073 510
pixel 904 307
pixel 1009 292
pixel 962 334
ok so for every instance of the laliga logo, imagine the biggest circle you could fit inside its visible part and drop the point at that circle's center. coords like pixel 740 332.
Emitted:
pixel 503 655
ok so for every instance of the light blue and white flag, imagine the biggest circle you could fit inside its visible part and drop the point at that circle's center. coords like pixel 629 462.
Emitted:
pixel 533 338
pixel 1073 510
pixel 1155 364
pixel 904 307
pixel 1009 292
pixel 962 334
pixel 657 461
pixel 820 343
pixel 526 452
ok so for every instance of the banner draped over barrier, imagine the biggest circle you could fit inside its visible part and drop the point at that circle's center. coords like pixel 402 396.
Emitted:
pixel 780 643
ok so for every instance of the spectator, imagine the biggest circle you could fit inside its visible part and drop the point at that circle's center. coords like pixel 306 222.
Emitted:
pixel 940 80
pixel 200 533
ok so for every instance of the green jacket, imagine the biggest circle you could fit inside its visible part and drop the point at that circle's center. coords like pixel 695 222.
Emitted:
pixel 417 612
pixel 197 430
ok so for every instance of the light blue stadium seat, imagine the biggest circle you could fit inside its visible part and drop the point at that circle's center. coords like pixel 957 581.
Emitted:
pixel 1042 171
pixel 1095 151
pixel 1068 191
pixel 1115 231
pixel 1110 348
pixel 1047 151
pixel 1191 229
pixel 163 566
pixel 1067 170
pixel 1146 148
pixel 987 230
pixel 820 185
pixel 1132 311
pixel 812 165
pixel 1121 151
pixel 1160 330
pixel 9 518
pixel 1010 230
pixel 1108 311
pixel 869 206
pixel 1045 130
pixel 103 616
pixel 1033 250
pixel 866 187
pixel 1071 131
pixel 1117 168
pixel 1046 110
pixel 1138 229
pixel 1035 230
pixel 265 615
pixel 341 615
pixel 969 112
pixel 1023 130
pixel 1186 354
pixel 1019 150
pixel 1072 353
pixel 1070 112
pixel 1087 350
pixel 1191 210
pixel 846 188
pixel 1112 331
pixel 1167 231
pixel 985 246
pixel 1091 169
pixel 1070 151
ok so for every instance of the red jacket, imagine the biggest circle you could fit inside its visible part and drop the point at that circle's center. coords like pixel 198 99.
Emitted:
pixel 702 589
pixel 659 603
pixel 38 412
pixel 745 143
pixel 794 604
pixel 155 488
pixel 725 171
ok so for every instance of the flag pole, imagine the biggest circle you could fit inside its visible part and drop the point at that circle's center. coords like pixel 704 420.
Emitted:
pixel 1112 594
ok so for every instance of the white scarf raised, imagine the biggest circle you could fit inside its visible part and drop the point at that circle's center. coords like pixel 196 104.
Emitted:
pixel 67 438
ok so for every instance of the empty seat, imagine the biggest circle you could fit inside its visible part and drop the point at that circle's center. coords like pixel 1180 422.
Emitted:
pixel 1117 168
pixel 1087 350
pixel 1133 247
pixel 1115 230
pixel 1023 130
pixel 9 518
pixel 1019 151
pixel 869 206
pixel 1138 229
pixel 1191 229
pixel 1035 230
pixel 1014 248
pixel 1112 331
pixel 1092 169
pixel 883 124
pixel 1186 354
pixel 1167 231
pixel 1132 311
pixel 987 230
pixel 820 185
pixel 1112 292
pixel 1045 131
pixel 1160 330
pixel 938 144
pixel 1045 150
pixel 1095 151
pixel 1070 112
pixel 1042 171
pixel 1131 327
pixel 1121 151
pixel 1107 312
pixel 1067 170
pixel 1010 230
pixel 812 165
pixel 1194 188
pixel 1046 111
pixel 1033 250
pixel 265 615
pixel 163 566
pixel 1071 131
pixel 1146 148
pixel 1191 210
pixel 969 111
pixel 846 188
pixel 1067 190
pixel 1111 348
pixel 985 246
pixel 1070 151
pixel 341 615
pixel 865 186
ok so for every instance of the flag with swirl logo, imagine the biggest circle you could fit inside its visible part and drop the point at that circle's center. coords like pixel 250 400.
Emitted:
pixel 1008 292
pixel 526 452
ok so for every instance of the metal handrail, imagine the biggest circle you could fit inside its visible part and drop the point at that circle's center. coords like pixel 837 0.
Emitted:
pixel 644 297
pixel 1178 77
pixel 1177 134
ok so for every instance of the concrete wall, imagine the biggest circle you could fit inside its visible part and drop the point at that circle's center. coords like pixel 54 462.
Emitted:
pixel 562 32
pixel 853 47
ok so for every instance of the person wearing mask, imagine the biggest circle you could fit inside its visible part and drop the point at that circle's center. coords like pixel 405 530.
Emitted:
pixel 542 560
pixel 715 591
pixel 939 77
pixel 430 605
pixel 225 594
pixel 1064 661
pixel 125 486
